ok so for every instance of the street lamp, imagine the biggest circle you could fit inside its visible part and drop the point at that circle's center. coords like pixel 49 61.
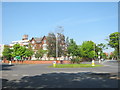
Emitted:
pixel 56 45
pixel 94 51
pixel 59 29
pixel 99 57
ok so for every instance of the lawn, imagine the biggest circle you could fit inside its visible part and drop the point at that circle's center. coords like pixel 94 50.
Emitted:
pixel 76 65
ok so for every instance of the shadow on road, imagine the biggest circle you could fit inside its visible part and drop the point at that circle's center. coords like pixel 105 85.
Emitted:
pixel 63 80
pixel 5 67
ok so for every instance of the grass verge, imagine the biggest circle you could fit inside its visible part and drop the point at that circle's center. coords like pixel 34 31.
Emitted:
pixel 75 66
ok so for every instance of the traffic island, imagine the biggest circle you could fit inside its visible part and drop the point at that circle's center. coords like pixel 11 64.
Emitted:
pixel 75 66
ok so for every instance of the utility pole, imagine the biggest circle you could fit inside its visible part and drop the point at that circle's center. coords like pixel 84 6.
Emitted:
pixel 56 45
pixel 94 51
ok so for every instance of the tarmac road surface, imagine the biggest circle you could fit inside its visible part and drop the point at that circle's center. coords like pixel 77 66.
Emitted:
pixel 41 76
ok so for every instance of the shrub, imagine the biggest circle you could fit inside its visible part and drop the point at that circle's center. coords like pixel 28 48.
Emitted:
pixel 76 60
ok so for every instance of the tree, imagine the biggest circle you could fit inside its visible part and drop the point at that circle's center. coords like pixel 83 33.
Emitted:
pixel 21 51
pixel 113 41
pixel 99 48
pixel 61 45
pixel 72 48
pixel 87 50
pixel 40 53
pixel 51 39
pixel 18 50
pixel 28 53
pixel 7 53
pixel 104 56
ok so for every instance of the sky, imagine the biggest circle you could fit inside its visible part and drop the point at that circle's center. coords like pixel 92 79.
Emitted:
pixel 81 21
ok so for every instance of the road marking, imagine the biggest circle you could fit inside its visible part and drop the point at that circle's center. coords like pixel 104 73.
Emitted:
pixel 25 75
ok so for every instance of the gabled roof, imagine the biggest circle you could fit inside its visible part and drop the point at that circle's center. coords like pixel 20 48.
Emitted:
pixel 38 40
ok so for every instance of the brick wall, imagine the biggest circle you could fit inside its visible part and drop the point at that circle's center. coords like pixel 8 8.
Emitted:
pixel 36 62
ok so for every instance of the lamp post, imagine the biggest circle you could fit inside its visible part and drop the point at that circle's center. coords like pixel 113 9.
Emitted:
pixel 59 29
pixel 94 50
pixel 56 45
pixel 99 57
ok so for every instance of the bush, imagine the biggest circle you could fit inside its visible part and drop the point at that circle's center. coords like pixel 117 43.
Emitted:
pixel 86 59
pixel 76 60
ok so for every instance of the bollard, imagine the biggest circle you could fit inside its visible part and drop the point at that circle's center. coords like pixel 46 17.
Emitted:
pixel 9 62
pixel 99 61
pixel 93 63
pixel 54 63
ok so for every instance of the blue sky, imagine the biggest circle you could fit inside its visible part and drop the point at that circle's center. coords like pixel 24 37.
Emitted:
pixel 81 20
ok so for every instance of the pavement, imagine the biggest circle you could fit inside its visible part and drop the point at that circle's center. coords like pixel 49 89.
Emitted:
pixel 41 76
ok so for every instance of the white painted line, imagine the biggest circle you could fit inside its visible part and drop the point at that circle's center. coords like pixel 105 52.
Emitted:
pixel 25 75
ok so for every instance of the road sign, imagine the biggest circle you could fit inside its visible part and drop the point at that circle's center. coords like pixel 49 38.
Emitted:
pixel 17 57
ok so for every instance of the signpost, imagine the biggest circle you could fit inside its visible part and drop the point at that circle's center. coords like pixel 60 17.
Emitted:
pixel 17 57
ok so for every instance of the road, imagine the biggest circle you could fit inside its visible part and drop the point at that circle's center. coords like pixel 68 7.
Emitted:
pixel 18 74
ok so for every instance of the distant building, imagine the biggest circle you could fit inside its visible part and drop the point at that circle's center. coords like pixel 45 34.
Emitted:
pixel 23 42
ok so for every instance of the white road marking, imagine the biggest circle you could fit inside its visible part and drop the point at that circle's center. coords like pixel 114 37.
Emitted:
pixel 25 75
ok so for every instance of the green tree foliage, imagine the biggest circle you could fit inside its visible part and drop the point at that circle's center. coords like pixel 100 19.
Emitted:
pixel 72 48
pixel 28 53
pixel 7 53
pixel 87 49
pixel 99 48
pixel 113 41
pixel 18 50
pixel 40 53
pixel 21 51
pixel 104 56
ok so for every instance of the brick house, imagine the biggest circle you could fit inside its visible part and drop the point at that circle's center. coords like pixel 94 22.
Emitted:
pixel 37 43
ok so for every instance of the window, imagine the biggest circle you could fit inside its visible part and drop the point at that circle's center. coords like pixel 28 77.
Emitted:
pixel 44 46
pixel 33 47
pixel 33 42
pixel 44 41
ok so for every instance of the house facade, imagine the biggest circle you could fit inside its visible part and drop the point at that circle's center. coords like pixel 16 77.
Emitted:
pixel 38 43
